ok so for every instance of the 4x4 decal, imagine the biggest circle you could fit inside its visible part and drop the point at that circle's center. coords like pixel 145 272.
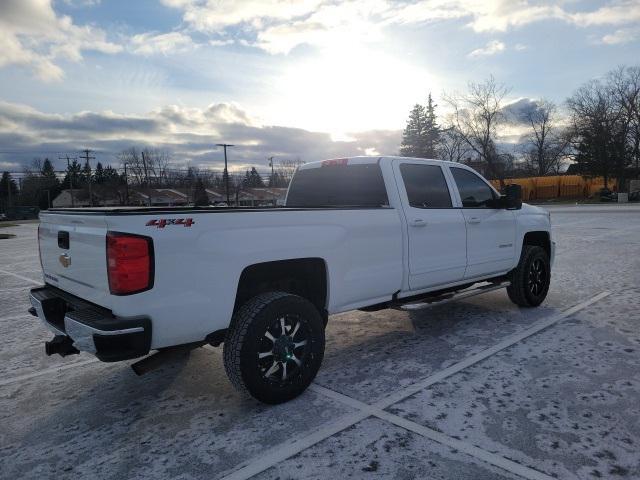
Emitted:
pixel 163 222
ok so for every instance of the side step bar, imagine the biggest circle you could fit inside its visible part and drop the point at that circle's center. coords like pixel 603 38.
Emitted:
pixel 450 297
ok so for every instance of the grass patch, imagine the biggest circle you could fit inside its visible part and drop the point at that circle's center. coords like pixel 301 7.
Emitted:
pixel 4 224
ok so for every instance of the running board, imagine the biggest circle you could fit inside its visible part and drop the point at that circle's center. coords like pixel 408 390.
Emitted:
pixel 450 297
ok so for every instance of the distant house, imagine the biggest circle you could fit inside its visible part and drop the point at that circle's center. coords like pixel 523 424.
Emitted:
pixel 172 197
pixel 66 199
pixel 81 199
pixel 215 198
pixel 158 197
pixel 268 196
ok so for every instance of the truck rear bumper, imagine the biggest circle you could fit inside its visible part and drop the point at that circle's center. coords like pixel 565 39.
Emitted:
pixel 91 328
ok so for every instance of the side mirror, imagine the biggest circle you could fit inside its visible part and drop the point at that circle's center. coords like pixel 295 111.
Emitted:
pixel 513 197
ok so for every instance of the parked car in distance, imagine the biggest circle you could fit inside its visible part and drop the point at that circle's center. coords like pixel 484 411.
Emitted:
pixel 364 233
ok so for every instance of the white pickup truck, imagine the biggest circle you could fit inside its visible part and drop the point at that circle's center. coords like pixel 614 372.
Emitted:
pixel 356 233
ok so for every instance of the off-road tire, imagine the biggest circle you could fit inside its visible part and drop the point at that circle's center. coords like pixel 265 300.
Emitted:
pixel 243 344
pixel 521 291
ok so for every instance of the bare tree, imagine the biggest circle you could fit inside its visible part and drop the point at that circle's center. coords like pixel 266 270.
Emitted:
pixel 604 115
pixel 453 146
pixel 477 116
pixel 287 167
pixel 547 144
pixel 624 89
pixel 148 167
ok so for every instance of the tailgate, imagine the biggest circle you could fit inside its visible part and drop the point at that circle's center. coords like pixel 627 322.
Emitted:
pixel 73 253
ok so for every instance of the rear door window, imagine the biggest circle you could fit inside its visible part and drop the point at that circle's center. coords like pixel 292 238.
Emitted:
pixel 338 185
pixel 425 185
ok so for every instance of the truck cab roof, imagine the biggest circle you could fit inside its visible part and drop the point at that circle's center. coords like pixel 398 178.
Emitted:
pixel 365 159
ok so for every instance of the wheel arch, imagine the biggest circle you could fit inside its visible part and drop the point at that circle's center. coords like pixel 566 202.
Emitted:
pixel 306 277
pixel 540 238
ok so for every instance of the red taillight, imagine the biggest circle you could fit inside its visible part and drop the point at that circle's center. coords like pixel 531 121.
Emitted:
pixel 129 263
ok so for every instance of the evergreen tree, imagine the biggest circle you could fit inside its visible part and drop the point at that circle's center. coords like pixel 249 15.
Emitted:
pixel 48 185
pixel 432 130
pixel 246 181
pixel 86 174
pixel 110 175
pixel 73 174
pixel 98 176
pixel 47 170
pixel 421 136
pixel 256 179
pixel 200 197
pixel 252 179
pixel 8 190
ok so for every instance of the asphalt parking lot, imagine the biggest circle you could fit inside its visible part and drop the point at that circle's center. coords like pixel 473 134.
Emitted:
pixel 478 389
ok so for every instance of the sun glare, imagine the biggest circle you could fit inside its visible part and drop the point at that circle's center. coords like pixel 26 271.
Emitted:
pixel 349 88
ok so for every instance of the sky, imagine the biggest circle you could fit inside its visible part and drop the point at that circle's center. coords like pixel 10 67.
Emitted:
pixel 306 79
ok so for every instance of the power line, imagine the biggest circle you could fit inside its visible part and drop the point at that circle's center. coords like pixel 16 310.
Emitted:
pixel 29 152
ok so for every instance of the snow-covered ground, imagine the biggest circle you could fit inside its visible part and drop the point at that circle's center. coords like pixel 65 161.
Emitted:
pixel 472 390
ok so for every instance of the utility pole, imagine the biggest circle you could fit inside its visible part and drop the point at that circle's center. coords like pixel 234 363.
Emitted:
pixel 73 202
pixel 226 171
pixel 126 184
pixel 146 176
pixel 271 165
pixel 86 159
pixel 9 204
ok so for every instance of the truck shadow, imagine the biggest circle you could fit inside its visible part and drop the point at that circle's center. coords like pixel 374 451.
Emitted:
pixel 372 354
pixel 103 421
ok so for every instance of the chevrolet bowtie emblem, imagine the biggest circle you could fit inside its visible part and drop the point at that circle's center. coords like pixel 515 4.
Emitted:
pixel 65 260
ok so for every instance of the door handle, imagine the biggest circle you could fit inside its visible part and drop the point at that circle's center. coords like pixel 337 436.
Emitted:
pixel 418 222
pixel 473 220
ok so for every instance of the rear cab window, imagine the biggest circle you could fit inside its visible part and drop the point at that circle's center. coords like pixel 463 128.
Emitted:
pixel 474 192
pixel 425 185
pixel 336 183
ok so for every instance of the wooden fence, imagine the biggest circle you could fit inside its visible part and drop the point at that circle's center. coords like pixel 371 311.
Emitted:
pixel 560 186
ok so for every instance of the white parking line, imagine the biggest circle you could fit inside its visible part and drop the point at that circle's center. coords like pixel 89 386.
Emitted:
pixel 26 279
pixel 281 453
pixel 288 450
pixel 478 357
pixel 471 450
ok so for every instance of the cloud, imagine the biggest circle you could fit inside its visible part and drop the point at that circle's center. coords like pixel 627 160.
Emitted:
pixel 615 13
pixel 278 26
pixel 520 110
pixel 622 36
pixel 491 48
pixel 152 43
pixel 189 134
pixel 34 36
pixel 82 3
